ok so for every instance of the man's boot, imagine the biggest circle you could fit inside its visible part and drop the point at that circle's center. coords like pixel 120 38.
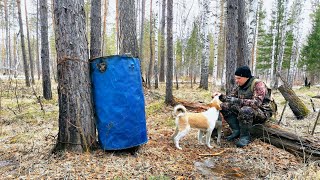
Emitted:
pixel 244 134
pixel 234 125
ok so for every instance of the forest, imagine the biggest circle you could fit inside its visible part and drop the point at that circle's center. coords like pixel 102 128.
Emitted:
pixel 182 52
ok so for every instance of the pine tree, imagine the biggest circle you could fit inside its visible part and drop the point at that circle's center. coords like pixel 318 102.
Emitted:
pixel 310 52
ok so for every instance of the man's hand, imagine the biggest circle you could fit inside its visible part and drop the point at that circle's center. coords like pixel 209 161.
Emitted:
pixel 216 94
pixel 233 100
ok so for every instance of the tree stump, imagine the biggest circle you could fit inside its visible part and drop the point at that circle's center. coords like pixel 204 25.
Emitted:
pixel 296 105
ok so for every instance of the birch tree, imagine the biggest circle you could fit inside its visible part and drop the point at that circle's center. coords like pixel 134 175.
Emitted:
pixel 274 24
pixel 216 43
pixel 296 30
pixel 156 13
pixel 7 39
pixel 76 119
pixel 310 52
pixel 253 32
pixel 205 49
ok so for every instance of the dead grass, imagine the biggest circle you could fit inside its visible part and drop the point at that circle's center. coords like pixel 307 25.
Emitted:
pixel 28 136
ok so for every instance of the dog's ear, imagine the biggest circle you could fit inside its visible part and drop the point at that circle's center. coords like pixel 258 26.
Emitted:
pixel 216 104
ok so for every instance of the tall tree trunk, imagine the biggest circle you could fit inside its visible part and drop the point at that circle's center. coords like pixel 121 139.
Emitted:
pixel 127 28
pixel 206 43
pixel 37 51
pixel 76 119
pixel 23 48
pixel 117 26
pixel 253 31
pixel 54 53
pixel 274 16
pixel 29 45
pixel 231 44
pixel 7 39
pixel 162 35
pixel 46 80
pixel 296 30
pixel 169 96
pixel 95 35
pixel 222 48
pixel 151 49
pixel 243 53
pixel 216 45
pixel 156 45
pixel 142 30
pixel 105 13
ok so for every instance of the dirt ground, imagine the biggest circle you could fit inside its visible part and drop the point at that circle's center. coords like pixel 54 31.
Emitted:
pixel 28 134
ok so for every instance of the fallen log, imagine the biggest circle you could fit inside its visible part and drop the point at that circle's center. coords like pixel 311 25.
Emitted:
pixel 307 147
pixel 296 105
pixel 193 106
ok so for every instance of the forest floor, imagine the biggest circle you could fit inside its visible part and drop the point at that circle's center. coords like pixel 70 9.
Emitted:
pixel 28 135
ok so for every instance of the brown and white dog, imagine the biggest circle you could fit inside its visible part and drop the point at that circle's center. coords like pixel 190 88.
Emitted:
pixel 204 121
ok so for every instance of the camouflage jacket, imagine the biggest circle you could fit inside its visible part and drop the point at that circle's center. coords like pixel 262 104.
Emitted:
pixel 254 99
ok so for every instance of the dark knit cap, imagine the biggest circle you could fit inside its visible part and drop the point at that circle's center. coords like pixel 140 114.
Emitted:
pixel 243 71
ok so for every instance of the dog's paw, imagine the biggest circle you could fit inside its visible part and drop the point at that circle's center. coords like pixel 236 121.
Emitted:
pixel 219 143
pixel 209 146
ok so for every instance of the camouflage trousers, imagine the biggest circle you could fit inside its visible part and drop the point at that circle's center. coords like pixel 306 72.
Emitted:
pixel 244 114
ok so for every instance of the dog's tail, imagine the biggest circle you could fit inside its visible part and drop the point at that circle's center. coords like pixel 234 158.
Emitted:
pixel 180 108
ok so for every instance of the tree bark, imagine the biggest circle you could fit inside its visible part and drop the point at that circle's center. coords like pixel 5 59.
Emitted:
pixel 206 43
pixel 151 49
pixel 46 80
pixel 162 57
pixel 23 47
pixel 156 27
pixel 29 46
pixel 169 96
pixel 231 44
pixel 76 119
pixel 127 28
pixel 95 35
pixel 296 105
pixel 242 50
pixel 105 13
pixel 37 51
pixel 142 31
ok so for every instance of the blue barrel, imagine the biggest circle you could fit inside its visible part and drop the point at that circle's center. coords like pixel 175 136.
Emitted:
pixel 118 102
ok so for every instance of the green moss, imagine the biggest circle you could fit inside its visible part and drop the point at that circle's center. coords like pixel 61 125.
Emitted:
pixel 155 107
pixel 160 177
pixel 20 138
pixel 170 122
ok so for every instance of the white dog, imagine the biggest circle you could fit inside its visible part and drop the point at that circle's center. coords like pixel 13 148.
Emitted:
pixel 204 121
